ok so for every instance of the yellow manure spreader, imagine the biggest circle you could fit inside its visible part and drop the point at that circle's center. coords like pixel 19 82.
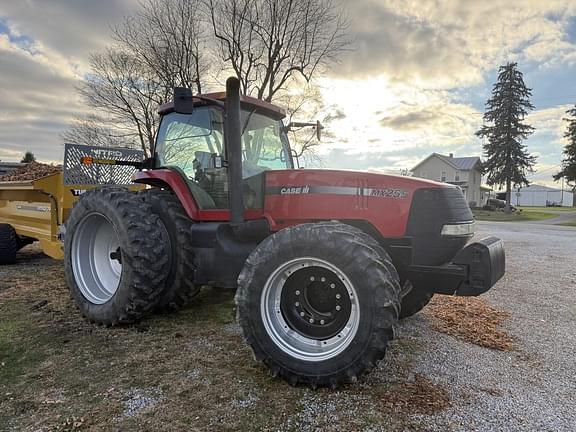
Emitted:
pixel 36 210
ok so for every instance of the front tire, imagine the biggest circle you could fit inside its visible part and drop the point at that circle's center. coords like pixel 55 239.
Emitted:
pixel 317 303
pixel 117 255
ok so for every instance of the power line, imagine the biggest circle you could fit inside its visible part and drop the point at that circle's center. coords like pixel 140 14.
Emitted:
pixel 545 170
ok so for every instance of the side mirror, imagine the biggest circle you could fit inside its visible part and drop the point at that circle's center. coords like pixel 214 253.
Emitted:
pixel 298 125
pixel 183 100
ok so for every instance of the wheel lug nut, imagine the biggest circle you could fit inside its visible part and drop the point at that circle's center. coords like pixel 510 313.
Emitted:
pixel 338 296
pixel 337 307
pixel 332 286
pixel 302 314
pixel 297 304
pixel 297 292
pixel 322 322
pixel 323 279
pixel 311 321
pixel 312 278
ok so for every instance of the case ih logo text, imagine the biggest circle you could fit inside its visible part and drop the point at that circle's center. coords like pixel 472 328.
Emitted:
pixel 295 190
pixel 107 154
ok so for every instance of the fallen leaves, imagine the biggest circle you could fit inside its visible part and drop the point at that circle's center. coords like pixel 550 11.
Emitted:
pixel 32 171
pixel 416 396
pixel 472 319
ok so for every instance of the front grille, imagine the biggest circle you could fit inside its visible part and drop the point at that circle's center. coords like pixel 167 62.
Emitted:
pixel 431 209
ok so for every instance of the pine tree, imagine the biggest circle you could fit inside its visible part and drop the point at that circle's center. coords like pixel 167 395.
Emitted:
pixel 569 162
pixel 507 159
pixel 28 157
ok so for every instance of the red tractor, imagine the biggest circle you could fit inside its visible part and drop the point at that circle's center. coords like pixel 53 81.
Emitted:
pixel 325 262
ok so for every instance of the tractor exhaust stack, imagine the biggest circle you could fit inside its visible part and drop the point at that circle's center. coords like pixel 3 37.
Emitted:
pixel 234 150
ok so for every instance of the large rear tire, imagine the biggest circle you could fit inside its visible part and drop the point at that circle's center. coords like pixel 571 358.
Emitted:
pixel 414 301
pixel 8 244
pixel 179 287
pixel 317 303
pixel 117 255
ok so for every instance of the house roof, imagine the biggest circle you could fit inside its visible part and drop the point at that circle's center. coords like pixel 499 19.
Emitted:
pixel 460 163
pixel 537 188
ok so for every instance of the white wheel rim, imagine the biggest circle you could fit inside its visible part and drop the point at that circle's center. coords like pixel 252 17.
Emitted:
pixel 96 258
pixel 292 341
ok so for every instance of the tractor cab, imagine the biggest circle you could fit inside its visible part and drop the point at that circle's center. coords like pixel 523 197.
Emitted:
pixel 191 142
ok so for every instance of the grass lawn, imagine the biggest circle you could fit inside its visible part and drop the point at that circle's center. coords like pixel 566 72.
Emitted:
pixel 527 214
pixel 548 209
pixel 570 224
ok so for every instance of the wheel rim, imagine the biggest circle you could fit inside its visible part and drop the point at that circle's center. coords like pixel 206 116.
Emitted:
pixel 96 258
pixel 310 309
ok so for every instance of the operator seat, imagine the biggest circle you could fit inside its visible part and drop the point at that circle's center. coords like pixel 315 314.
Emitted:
pixel 203 199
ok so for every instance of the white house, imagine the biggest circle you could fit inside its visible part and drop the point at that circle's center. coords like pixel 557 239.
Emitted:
pixel 465 172
pixel 538 195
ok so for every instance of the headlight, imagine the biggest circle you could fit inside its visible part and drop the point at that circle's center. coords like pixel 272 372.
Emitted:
pixel 460 230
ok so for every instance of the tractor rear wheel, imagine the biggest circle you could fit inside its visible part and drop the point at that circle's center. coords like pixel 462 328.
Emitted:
pixel 8 244
pixel 414 301
pixel 117 255
pixel 317 303
pixel 179 288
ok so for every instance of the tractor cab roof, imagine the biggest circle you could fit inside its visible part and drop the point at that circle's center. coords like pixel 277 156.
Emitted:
pixel 246 102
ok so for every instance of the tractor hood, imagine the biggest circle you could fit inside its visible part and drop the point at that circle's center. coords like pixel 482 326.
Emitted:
pixel 386 201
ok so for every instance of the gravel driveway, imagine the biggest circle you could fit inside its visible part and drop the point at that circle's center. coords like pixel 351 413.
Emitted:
pixel 534 389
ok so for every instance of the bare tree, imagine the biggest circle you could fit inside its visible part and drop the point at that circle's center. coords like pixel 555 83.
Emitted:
pixel 269 42
pixel 122 87
pixel 98 131
pixel 303 102
pixel 155 50
pixel 168 37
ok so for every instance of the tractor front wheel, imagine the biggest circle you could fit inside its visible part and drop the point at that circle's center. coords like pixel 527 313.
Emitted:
pixel 317 303
pixel 117 255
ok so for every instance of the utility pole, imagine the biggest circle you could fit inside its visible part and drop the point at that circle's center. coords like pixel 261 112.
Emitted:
pixel 562 193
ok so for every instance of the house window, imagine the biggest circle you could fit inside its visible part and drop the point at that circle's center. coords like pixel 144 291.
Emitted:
pixel 443 178
pixel 457 176
pixel 424 174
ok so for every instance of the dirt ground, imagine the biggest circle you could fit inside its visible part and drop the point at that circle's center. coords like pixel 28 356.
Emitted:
pixel 192 371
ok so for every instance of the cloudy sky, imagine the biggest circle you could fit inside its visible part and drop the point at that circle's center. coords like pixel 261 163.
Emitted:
pixel 415 82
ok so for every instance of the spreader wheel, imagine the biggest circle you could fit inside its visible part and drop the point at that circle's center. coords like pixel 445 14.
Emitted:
pixel 8 244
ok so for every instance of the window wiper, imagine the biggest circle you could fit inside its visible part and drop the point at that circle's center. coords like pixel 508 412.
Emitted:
pixel 247 121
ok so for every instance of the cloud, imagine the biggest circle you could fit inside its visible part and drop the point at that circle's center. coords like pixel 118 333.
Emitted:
pixel 73 28
pixel 44 49
pixel 447 44
pixel 38 98
pixel 411 121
